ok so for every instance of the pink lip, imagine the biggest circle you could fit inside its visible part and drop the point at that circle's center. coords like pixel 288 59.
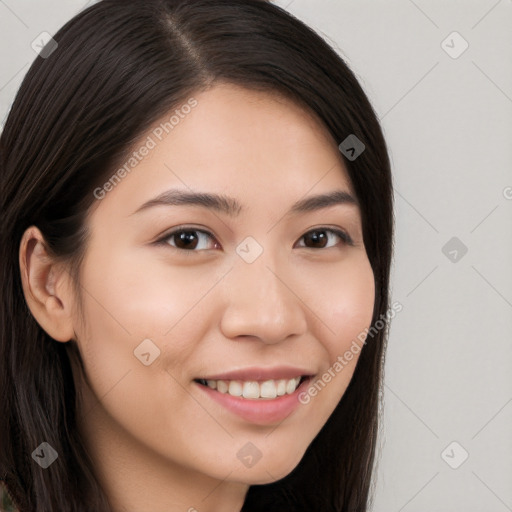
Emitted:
pixel 258 411
pixel 261 374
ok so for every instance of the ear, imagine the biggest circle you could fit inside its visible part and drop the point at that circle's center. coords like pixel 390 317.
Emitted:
pixel 46 286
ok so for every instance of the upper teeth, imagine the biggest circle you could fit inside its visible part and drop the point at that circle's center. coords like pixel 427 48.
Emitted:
pixel 254 389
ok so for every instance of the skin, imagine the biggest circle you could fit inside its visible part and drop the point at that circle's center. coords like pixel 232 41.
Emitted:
pixel 158 442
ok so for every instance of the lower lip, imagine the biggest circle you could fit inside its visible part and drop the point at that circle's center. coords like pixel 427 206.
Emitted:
pixel 258 411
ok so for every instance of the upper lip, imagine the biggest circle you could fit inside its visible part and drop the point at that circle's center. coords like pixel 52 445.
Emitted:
pixel 261 373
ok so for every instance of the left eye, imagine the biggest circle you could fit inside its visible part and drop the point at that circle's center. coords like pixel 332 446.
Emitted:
pixel 318 236
pixel 188 239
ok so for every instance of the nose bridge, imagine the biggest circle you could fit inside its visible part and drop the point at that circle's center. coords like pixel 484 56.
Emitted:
pixel 254 264
pixel 259 301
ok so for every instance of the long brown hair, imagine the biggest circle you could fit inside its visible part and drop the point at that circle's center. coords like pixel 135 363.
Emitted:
pixel 119 66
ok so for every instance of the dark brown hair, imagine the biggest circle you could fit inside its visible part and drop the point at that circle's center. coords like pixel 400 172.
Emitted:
pixel 119 66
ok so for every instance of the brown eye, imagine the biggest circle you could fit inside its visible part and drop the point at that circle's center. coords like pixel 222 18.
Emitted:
pixel 188 239
pixel 319 238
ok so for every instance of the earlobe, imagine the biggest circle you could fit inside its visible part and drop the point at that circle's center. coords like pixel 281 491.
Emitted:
pixel 45 286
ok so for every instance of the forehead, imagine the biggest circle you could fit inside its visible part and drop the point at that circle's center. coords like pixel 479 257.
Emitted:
pixel 251 143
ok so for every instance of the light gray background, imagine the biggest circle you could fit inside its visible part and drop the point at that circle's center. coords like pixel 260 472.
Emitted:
pixel 448 123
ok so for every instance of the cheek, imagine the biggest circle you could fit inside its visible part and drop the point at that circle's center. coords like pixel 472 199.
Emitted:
pixel 138 298
pixel 346 304
pixel 123 307
pixel 127 301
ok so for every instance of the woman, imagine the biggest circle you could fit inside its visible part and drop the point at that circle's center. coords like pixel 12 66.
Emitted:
pixel 196 243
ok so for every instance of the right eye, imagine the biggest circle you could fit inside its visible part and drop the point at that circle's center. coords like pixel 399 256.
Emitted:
pixel 187 239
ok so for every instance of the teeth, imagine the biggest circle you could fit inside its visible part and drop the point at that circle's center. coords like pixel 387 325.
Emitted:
pixel 291 386
pixel 281 387
pixel 268 389
pixel 235 388
pixel 222 386
pixel 251 389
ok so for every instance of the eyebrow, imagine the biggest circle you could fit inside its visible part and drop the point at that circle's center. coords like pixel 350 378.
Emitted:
pixel 230 206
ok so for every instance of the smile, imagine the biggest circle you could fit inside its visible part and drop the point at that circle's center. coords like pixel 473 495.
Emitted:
pixel 255 390
pixel 265 403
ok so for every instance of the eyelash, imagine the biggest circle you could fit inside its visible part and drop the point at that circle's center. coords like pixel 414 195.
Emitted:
pixel 345 237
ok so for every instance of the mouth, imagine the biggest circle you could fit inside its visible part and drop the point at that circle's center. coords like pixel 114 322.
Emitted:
pixel 259 402
pixel 269 389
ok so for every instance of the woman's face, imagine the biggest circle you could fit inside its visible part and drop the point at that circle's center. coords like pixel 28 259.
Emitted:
pixel 245 293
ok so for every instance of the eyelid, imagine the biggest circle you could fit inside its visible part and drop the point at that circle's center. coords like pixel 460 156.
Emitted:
pixel 345 237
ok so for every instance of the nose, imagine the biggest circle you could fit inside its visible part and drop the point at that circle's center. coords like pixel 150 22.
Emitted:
pixel 261 302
